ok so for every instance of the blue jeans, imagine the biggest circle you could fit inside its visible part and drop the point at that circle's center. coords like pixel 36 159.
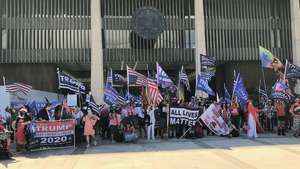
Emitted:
pixel 130 137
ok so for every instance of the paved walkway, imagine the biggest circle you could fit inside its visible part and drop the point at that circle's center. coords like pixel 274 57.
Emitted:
pixel 206 153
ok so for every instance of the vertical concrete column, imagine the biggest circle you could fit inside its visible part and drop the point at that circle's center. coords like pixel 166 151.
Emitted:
pixel 97 83
pixel 295 23
pixel 200 36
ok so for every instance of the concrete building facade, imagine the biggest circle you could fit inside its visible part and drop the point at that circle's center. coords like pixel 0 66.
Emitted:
pixel 87 37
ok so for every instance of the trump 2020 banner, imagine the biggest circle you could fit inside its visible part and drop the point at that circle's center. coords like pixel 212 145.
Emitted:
pixel 51 134
pixel 183 116
pixel 214 121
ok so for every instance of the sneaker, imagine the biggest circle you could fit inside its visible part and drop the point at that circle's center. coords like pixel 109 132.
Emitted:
pixel 95 143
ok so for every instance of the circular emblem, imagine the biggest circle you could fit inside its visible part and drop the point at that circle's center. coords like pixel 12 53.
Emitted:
pixel 148 22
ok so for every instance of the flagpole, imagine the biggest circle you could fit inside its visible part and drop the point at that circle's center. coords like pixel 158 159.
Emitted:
pixel 263 76
pixel 237 78
pixel 112 79
pixel 4 82
pixel 285 68
pixel 127 79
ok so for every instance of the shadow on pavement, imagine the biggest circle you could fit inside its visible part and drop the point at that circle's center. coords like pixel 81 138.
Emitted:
pixel 207 143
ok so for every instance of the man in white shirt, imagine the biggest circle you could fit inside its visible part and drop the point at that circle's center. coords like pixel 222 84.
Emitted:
pixel 150 129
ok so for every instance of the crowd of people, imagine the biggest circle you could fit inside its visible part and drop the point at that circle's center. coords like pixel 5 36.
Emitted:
pixel 134 121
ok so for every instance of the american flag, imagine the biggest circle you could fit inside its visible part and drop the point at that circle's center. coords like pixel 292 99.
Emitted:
pixel 154 95
pixel 208 61
pixel 93 105
pixel 135 78
pixel 18 87
pixel 111 96
pixel 183 78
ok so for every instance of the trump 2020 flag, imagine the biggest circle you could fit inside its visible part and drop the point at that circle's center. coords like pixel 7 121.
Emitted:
pixel 240 91
pixel 202 85
pixel 163 79
pixel 292 71
pixel 66 81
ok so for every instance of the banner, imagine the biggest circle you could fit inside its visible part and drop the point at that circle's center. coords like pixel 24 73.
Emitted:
pixel 214 121
pixel 51 134
pixel 65 81
pixel 183 116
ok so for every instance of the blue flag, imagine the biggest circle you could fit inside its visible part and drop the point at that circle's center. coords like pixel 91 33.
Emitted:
pixel 33 108
pixel 118 79
pixel 202 84
pixel 240 91
pixel 112 97
pixel 163 79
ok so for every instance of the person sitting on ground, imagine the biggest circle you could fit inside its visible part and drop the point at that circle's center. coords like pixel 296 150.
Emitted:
pixel 89 131
pixel 129 133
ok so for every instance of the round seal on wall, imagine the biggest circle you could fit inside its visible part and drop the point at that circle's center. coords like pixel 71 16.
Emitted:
pixel 148 22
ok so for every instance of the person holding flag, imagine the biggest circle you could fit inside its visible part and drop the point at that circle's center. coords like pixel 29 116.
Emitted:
pixel 234 113
pixel 239 100
pixel 252 120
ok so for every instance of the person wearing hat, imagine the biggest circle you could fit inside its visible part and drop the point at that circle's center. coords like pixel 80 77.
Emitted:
pixel 89 122
pixel 45 114
pixel 20 130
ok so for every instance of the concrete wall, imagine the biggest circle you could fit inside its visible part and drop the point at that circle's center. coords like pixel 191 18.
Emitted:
pixel 295 23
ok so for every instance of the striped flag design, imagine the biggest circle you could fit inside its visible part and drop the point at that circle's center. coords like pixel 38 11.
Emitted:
pixel 18 87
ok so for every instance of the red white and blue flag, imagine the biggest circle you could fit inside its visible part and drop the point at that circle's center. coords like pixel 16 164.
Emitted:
pixel 18 87
pixel 135 78
pixel 154 95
